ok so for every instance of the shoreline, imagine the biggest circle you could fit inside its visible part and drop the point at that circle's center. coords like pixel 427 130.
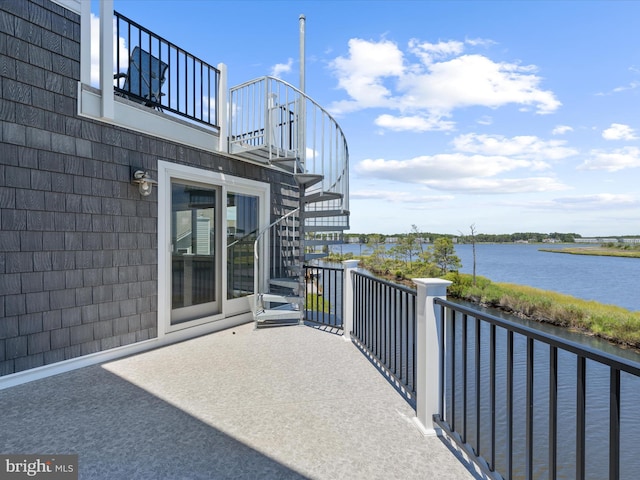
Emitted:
pixel 594 251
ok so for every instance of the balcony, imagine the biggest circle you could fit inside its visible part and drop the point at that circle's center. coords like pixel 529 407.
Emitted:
pixel 156 73
pixel 282 403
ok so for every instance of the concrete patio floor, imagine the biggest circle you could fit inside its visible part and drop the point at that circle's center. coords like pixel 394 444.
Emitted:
pixel 279 403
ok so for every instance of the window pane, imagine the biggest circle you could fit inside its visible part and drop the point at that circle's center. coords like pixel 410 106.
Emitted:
pixel 242 230
pixel 193 245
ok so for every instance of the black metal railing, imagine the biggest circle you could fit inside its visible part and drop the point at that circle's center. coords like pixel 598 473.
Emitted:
pixel 156 73
pixel 384 325
pixel 522 402
pixel 323 299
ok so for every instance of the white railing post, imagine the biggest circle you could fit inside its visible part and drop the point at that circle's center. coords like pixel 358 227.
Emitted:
pixel 106 57
pixel 347 298
pixel 222 110
pixel 85 43
pixel 428 330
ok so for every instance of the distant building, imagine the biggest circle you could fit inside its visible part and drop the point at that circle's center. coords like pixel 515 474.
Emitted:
pixel 597 240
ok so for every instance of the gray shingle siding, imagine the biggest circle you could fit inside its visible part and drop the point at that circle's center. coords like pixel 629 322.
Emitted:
pixel 78 244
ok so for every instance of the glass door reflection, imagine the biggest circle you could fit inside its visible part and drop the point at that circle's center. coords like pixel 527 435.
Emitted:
pixel 194 263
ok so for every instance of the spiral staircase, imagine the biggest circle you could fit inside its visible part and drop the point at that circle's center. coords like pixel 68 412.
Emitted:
pixel 272 122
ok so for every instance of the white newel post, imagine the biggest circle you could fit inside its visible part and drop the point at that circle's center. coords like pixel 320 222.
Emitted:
pixel 347 297
pixel 106 58
pixel 428 331
pixel 222 110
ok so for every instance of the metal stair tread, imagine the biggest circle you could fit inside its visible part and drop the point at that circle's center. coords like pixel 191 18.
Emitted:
pixel 284 282
pixel 321 196
pixel 278 314
pixel 321 242
pixel 314 256
pixel 326 213
pixel 308 179
pixel 276 298
pixel 326 228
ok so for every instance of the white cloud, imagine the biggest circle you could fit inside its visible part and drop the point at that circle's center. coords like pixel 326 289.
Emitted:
pixel 279 68
pixel 428 52
pixel 362 74
pixel 442 166
pixel 591 202
pixel 489 164
pixel 498 185
pixel 523 146
pixel 475 80
pixel 414 123
pixel 561 130
pixel 485 120
pixel 439 80
pixel 630 86
pixel 627 157
pixel 397 197
pixel 599 200
pixel 480 42
pixel 619 131
pixel 461 173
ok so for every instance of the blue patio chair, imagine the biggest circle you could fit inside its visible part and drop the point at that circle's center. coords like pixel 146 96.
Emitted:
pixel 143 82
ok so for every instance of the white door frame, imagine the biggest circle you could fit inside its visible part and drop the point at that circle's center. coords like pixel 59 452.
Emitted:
pixel 167 172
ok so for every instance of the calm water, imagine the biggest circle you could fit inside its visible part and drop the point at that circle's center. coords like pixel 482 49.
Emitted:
pixel 609 280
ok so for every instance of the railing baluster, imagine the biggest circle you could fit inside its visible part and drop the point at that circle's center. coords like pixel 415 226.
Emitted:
pixel 529 410
pixel 509 453
pixel 614 424
pixel 553 412
pixel 394 333
pixel 492 392
pixel 384 318
pixel 453 370
pixel 580 416
pixel 477 385
pixel 411 299
pixel 403 349
pixel 443 312
pixel 464 376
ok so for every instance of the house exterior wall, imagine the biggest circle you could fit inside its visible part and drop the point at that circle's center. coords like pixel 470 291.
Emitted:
pixel 78 244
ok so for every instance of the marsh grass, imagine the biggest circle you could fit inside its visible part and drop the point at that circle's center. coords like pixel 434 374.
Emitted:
pixel 317 303
pixel 596 251
pixel 610 322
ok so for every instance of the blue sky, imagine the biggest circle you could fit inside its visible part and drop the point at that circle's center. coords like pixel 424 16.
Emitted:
pixel 508 115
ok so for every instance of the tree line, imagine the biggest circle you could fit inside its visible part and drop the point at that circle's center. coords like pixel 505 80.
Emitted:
pixel 429 237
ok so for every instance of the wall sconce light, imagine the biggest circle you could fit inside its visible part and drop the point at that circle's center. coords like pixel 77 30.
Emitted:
pixel 144 181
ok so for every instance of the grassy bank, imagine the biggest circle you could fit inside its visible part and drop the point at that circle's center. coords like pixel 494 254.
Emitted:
pixel 610 322
pixel 598 251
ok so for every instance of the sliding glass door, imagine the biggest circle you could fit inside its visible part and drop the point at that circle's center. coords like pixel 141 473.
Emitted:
pixel 195 285
pixel 242 231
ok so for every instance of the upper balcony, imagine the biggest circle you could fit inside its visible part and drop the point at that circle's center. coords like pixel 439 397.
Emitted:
pixel 149 84
pixel 153 72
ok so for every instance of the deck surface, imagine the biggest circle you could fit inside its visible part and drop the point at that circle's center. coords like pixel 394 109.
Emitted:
pixel 279 403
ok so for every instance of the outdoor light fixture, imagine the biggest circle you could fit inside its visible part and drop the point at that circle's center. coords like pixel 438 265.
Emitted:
pixel 144 181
